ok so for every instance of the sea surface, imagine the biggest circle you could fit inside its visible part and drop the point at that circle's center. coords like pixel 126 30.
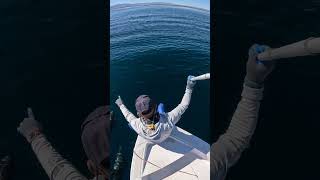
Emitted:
pixel 154 47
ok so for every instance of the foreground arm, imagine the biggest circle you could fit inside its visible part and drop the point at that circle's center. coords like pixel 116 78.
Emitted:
pixel 227 150
pixel 56 167
pixel 177 112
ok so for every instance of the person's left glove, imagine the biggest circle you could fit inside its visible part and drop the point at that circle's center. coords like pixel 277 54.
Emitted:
pixel 119 101
pixel 190 83
pixel 257 70
pixel 29 127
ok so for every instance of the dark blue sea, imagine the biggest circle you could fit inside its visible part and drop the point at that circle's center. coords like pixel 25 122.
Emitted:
pixel 154 47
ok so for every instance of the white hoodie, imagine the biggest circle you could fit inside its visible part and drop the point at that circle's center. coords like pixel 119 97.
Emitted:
pixel 166 122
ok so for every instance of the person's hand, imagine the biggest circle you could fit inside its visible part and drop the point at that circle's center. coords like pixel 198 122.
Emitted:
pixel 190 83
pixel 257 70
pixel 29 127
pixel 119 101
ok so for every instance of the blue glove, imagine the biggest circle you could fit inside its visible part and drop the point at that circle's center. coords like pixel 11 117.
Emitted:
pixel 161 108
pixel 257 70
pixel 190 83
pixel 260 49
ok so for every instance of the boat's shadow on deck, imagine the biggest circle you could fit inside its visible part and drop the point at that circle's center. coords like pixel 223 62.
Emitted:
pixel 189 146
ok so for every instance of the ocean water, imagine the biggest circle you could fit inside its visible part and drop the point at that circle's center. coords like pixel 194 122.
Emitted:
pixel 154 47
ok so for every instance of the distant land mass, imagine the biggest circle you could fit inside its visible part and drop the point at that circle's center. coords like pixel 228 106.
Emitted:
pixel 126 5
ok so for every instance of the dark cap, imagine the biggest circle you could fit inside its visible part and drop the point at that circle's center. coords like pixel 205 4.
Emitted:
pixel 96 133
pixel 144 104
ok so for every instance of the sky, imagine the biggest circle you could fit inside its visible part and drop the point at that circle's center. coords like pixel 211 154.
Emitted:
pixel 205 4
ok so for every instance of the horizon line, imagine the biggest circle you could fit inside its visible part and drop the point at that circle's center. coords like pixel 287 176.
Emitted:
pixel 163 3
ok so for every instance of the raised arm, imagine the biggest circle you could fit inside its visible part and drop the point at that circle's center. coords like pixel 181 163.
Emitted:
pixel 126 113
pixel 177 112
pixel 227 150
pixel 56 167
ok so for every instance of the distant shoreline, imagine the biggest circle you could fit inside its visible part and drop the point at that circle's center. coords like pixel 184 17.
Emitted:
pixel 156 3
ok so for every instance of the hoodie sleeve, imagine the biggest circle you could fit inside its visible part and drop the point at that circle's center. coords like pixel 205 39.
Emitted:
pixel 228 148
pixel 127 114
pixel 54 164
pixel 177 112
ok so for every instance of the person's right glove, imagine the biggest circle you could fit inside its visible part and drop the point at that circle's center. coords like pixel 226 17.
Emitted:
pixel 119 101
pixel 29 127
pixel 257 70
pixel 190 83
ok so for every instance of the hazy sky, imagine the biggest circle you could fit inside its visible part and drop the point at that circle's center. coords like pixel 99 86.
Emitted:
pixel 205 4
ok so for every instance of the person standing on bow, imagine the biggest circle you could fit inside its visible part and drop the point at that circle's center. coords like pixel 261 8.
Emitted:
pixel 152 123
